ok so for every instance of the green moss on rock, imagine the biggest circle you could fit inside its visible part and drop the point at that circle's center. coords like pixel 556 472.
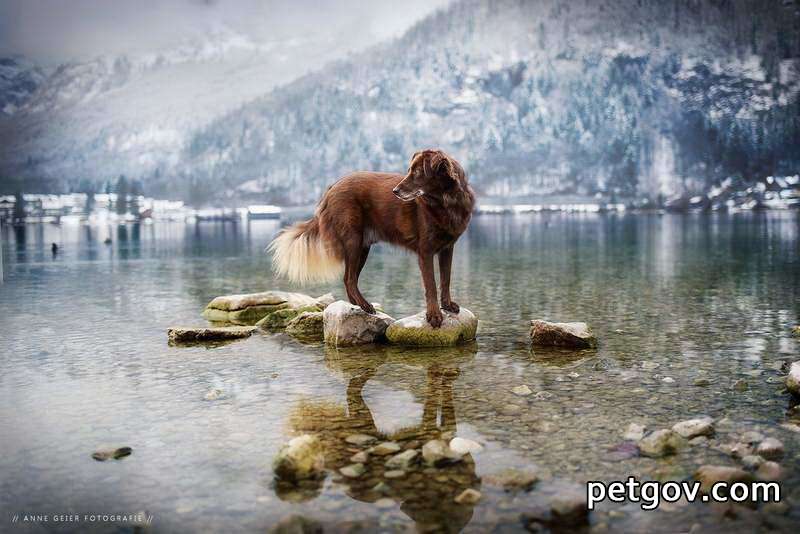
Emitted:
pixel 307 326
pixel 415 331
pixel 281 318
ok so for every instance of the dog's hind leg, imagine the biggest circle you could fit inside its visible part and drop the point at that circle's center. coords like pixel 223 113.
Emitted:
pixel 354 260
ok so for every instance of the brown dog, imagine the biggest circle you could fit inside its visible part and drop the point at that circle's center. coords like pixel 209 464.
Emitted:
pixel 424 211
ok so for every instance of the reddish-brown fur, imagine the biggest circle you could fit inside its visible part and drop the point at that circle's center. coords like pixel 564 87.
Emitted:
pixel 363 208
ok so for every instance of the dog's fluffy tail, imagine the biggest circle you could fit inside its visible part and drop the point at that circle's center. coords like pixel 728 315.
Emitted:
pixel 299 253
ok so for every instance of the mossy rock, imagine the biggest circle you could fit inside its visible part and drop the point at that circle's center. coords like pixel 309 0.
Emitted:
pixel 415 331
pixel 307 326
pixel 248 309
pixel 279 319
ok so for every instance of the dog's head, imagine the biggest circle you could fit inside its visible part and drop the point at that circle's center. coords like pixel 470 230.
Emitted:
pixel 431 172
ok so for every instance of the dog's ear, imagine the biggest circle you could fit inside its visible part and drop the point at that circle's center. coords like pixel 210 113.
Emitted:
pixel 443 166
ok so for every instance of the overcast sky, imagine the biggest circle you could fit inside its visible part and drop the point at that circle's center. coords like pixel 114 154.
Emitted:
pixel 52 31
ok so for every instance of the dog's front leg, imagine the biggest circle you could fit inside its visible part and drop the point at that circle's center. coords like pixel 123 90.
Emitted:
pixel 432 313
pixel 445 262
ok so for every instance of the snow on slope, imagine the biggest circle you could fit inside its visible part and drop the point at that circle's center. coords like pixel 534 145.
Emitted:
pixel 133 115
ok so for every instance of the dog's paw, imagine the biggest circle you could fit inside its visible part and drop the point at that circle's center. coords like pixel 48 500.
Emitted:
pixel 434 318
pixel 451 307
pixel 369 308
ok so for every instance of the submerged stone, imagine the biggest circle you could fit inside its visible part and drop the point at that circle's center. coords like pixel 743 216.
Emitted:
pixel 178 334
pixel 281 318
pixel 708 475
pixel 770 449
pixel 346 324
pixel 353 471
pixel 513 479
pixel 702 426
pixel 573 335
pixel 385 448
pixel 415 330
pixel 107 453
pixel 661 443
pixel 248 309
pixel 301 458
pixel 307 326
pixel 634 432
pixel 793 379
pixel 436 452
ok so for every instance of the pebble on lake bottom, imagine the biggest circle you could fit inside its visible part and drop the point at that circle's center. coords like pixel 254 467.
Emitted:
pixel 395 473
pixel 107 453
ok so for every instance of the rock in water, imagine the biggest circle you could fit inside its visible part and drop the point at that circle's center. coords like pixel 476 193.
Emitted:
pixel 403 460
pixel 770 449
pixel 793 379
pixel 281 318
pixel 702 426
pixel 178 334
pixel 416 332
pixel 248 309
pixel 346 324
pixel 574 335
pixel 301 458
pixel 661 443
pixel 306 327
pixel 107 453
pixel 708 475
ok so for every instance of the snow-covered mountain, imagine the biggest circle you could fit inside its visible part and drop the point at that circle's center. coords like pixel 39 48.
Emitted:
pixel 622 97
pixel 19 79
pixel 108 116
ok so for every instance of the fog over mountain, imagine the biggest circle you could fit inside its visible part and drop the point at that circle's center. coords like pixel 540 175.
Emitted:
pixel 624 97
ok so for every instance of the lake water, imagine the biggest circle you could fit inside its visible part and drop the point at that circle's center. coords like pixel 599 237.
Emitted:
pixel 672 299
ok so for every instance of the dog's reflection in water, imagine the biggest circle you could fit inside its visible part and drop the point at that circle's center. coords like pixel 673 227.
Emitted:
pixel 425 494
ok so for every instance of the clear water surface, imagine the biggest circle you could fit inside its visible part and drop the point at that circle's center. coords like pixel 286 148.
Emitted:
pixel 85 361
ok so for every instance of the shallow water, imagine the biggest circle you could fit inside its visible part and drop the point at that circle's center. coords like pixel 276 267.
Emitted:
pixel 86 362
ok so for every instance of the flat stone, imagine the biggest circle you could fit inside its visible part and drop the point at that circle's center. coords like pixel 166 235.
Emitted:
pixel 463 446
pixel 404 460
pixel 522 390
pixel 770 449
pixel 188 334
pixel 353 471
pixel 248 309
pixel 307 326
pixel 574 335
pixel 701 382
pixel 793 378
pixel 302 458
pixel 661 443
pixel 468 496
pixel 702 426
pixel 708 475
pixel 345 324
pixel 417 332
pixel 360 439
pixel 104 453
pixel 396 473
pixel 360 458
pixel 384 449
